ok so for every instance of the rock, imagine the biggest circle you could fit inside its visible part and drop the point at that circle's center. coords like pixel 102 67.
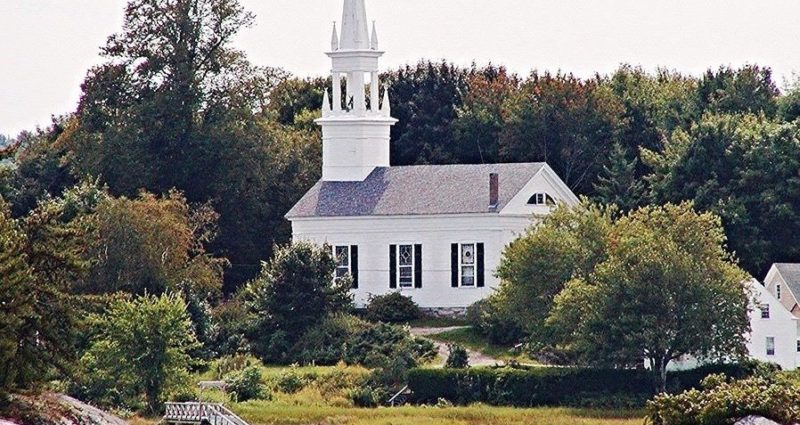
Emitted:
pixel 755 420
pixel 55 409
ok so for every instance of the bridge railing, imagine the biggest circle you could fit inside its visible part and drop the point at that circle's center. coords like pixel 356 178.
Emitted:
pixel 196 413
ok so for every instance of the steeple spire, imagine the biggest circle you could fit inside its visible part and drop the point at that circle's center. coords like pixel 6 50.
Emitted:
pixel 355 35
pixel 373 44
pixel 334 39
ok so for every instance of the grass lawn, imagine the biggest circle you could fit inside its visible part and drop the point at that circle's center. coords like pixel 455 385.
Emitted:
pixel 277 412
pixel 473 340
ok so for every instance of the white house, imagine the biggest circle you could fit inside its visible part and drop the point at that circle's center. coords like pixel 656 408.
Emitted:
pixel 433 232
pixel 773 333
pixel 783 282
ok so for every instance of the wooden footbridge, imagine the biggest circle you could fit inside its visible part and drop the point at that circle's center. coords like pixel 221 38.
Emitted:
pixel 196 413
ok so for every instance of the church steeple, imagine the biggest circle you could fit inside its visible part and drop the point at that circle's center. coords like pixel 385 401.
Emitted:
pixel 354 26
pixel 355 133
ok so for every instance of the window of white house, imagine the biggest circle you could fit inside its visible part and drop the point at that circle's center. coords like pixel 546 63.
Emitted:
pixel 770 345
pixel 343 261
pixel 798 345
pixel 467 264
pixel 541 199
pixel 778 291
pixel 764 311
pixel 405 266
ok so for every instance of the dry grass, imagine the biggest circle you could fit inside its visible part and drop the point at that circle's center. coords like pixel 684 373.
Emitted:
pixel 280 412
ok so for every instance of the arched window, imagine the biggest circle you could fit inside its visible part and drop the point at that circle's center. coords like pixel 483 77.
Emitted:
pixel 541 199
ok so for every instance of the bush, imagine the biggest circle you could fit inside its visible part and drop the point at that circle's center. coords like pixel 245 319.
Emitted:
pixel 722 402
pixel 391 308
pixel 458 358
pixel 494 322
pixel 545 386
pixel 226 365
pixel 290 382
pixel 246 385
pixel 325 344
pixel 365 397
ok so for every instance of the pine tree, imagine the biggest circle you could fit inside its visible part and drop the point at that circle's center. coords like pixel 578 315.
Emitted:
pixel 618 183
pixel 15 301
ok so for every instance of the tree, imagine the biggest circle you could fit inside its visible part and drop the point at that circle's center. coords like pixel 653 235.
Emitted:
pixel 143 345
pixel 618 185
pixel 479 119
pixel 535 267
pixel 559 119
pixel 153 245
pixel 718 162
pixel 16 303
pixel 294 292
pixel 424 99
pixel 749 89
pixel 667 288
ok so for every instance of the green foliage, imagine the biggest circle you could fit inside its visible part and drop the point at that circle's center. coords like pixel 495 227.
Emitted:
pixel 226 365
pixel 493 320
pixel 548 386
pixel 290 382
pixel 391 308
pixel 143 347
pixel 294 293
pixel 16 305
pixel 650 283
pixel 618 184
pixel 534 268
pixel 458 357
pixel 550 112
pixel 246 385
pixel 229 323
pixel 327 342
pixel 717 162
pixel 722 401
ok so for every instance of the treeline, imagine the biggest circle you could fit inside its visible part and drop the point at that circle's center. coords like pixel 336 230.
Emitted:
pixel 174 107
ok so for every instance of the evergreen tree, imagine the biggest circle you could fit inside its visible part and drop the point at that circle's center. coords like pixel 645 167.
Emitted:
pixel 618 184
pixel 16 302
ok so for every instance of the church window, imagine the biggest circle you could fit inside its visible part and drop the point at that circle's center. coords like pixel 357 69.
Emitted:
pixel 405 266
pixel 770 345
pixel 342 254
pixel 765 311
pixel 541 199
pixel 468 264
pixel 778 291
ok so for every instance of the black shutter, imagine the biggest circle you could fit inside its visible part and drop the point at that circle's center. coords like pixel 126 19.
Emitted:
pixel 354 265
pixel 481 278
pixel 393 266
pixel 418 266
pixel 454 265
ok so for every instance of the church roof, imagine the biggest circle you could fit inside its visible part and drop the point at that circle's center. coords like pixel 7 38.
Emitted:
pixel 791 275
pixel 416 190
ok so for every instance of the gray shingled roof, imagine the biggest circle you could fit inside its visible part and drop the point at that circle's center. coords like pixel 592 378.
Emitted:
pixel 415 190
pixel 791 274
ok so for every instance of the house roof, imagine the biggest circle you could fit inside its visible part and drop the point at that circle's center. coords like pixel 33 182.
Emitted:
pixel 791 275
pixel 416 190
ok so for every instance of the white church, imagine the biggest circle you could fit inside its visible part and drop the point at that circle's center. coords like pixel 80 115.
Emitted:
pixel 433 232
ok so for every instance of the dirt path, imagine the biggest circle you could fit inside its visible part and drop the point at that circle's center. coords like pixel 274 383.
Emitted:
pixel 475 358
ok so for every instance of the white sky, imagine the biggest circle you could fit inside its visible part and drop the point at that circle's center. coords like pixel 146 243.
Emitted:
pixel 46 46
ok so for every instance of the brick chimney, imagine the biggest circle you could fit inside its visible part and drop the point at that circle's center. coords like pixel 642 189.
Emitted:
pixel 494 191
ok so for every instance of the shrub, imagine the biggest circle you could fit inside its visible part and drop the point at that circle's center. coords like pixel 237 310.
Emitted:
pixel 546 386
pixel 722 401
pixel 325 344
pixel 225 365
pixel 391 308
pixel 246 385
pixel 290 382
pixel 493 322
pixel 458 358
pixel 365 397
pixel 292 295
